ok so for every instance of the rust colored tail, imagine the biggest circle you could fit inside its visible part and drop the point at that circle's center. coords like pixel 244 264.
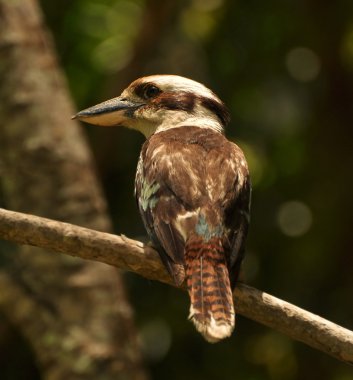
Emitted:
pixel 211 310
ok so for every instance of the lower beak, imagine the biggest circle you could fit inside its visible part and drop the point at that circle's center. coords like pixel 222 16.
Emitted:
pixel 111 113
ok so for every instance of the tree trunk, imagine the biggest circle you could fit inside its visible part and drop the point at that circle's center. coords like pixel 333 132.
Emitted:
pixel 74 313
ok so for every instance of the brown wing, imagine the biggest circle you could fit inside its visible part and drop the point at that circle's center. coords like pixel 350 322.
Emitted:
pixel 185 174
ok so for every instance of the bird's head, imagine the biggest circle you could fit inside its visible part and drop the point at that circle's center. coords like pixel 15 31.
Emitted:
pixel 160 102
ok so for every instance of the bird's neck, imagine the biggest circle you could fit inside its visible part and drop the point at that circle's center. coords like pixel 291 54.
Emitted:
pixel 172 119
pixel 201 122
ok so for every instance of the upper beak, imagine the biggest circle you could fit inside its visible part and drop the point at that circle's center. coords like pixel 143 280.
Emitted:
pixel 110 113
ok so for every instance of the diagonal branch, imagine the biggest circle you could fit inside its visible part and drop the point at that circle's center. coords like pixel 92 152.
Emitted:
pixel 134 256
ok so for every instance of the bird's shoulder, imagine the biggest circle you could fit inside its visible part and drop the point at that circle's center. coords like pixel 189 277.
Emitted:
pixel 196 163
pixel 191 143
pixel 188 137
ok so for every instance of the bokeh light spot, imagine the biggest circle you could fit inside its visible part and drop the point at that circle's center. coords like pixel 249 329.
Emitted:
pixel 294 218
pixel 303 64
pixel 92 21
pixel 347 48
pixel 197 24
pixel 113 54
pixel 156 339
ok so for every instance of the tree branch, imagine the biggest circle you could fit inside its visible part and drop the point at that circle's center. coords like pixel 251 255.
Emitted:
pixel 134 256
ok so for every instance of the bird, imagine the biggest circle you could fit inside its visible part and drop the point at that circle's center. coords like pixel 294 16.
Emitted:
pixel 192 189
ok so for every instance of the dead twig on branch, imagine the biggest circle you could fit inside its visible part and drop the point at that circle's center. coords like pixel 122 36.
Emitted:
pixel 132 255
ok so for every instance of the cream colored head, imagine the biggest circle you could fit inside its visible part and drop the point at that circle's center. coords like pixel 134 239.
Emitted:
pixel 160 102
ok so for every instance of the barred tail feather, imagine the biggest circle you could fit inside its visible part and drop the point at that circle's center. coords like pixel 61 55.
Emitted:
pixel 211 310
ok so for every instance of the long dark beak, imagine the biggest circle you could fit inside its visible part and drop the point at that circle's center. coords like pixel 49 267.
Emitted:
pixel 110 113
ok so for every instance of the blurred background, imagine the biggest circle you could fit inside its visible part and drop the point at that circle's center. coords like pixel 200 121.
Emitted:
pixel 285 70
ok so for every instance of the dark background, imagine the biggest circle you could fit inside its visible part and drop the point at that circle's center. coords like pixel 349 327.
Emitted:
pixel 285 70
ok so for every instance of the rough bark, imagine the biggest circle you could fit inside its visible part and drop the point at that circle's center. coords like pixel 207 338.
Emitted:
pixel 74 313
pixel 134 256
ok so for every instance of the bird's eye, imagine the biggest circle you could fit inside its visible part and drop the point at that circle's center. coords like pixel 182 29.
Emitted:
pixel 151 92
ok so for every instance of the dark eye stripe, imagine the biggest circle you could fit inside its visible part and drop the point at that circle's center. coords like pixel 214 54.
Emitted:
pixel 181 100
pixel 147 90
pixel 218 108
pixel 185 101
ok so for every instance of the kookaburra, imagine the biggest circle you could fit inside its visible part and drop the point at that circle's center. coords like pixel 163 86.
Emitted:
pixel 192 188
